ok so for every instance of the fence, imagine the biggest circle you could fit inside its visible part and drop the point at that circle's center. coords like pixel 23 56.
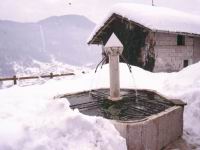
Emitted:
pixel 51 76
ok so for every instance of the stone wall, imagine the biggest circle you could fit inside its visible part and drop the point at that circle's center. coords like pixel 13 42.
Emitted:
pixel 196 50
pixel 154 133
pixel 169 56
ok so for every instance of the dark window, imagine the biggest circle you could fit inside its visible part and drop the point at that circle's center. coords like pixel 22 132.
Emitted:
pixel 180 40
pixel 185 63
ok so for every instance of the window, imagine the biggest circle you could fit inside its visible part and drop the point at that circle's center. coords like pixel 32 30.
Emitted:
pixel 185 63
pixel 180 40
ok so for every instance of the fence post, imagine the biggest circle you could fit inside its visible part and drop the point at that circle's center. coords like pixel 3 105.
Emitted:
pixel 15 79
pixel 51 75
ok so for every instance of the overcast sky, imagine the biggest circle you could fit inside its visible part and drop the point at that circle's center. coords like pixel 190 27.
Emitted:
pixel 34 10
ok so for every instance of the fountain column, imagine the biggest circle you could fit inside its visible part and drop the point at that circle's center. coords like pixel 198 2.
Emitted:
pixel 113 49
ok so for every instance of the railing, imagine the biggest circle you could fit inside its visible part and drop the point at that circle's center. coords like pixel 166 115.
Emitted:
pixel 51 76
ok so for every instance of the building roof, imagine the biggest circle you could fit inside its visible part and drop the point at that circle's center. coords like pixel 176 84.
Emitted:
pixel 154 18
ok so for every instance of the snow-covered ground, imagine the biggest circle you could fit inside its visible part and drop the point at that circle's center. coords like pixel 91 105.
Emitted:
pixel 42 68
pixel 32 117
pixel 38 68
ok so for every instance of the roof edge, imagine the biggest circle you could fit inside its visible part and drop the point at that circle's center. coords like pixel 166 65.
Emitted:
pixel 99 29
pixel 112 16
pixel 180 33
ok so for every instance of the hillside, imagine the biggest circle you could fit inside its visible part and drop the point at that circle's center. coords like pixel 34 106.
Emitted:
pixel 60 38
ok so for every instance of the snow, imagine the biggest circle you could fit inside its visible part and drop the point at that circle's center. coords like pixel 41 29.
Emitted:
pixel 154 18
pixel 33 117
pixel 113 41
pixel 38 69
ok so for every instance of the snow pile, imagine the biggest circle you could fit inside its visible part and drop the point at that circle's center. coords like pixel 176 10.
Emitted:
pixel 31 119
pixel 154 18
pixel 185 85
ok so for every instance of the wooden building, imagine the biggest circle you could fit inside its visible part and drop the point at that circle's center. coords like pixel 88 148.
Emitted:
pixel 154 38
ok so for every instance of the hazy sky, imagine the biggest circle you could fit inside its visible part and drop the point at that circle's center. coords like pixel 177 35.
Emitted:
pixel 34 10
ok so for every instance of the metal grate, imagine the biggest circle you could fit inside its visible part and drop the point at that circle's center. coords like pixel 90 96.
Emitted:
pixel 131 107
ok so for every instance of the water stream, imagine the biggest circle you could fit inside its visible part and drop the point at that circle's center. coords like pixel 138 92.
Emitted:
pixel 135 86
pixel 93 79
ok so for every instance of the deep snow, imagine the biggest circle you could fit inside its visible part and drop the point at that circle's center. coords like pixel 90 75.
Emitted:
pixel 33 118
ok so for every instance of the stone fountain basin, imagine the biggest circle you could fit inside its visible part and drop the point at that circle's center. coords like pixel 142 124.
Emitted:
pixel 142 130
pixel 154 132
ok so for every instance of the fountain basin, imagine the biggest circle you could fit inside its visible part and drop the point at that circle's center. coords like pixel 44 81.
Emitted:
pixel 154 133
pixel 144 118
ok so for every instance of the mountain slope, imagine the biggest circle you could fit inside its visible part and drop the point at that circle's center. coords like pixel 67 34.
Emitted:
pixel 62 38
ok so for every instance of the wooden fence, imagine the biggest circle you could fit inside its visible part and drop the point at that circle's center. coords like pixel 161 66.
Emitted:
pixel 51 76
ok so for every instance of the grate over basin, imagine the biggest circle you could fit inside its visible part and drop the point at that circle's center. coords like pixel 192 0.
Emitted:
pixel 131 107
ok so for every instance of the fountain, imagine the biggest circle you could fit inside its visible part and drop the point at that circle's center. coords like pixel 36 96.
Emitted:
pixel 147 120
pixel 113 49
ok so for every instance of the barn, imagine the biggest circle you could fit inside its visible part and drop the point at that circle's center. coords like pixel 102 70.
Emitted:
pixel 155 38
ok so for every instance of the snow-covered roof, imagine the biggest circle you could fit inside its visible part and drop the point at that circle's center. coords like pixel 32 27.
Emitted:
pixel 155 18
